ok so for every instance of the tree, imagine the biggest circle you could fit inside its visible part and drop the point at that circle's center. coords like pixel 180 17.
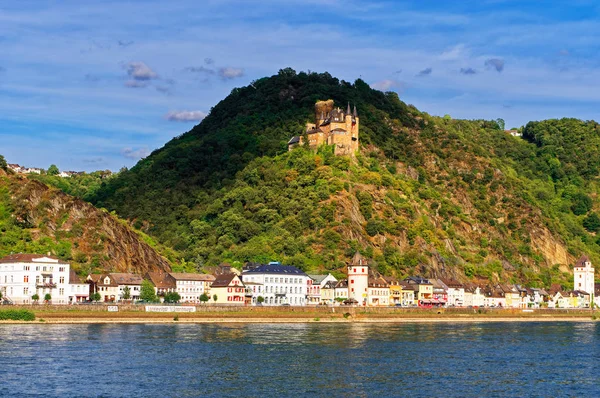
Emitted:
pixel 215 298
pixel 35 297
pixel 147 292
pixel 0 290
pixel 53 170
pixel 204 297
pixel 172 297
pixel 592 222
pixel 126 293
pixel 47 298
pixel 260 299
pixel 3 164
pixel 96 297
pixel 501 123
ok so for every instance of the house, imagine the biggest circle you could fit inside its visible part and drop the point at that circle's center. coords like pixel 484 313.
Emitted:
pixel 395 291
pixel 332 126
pixel 127 282
pixel 163 282
pixel 228 289
pixel 408 294
pixel 16 168
pixel 440 292
pixel 537 298
pixel 191 286
pixel 512 295
pixel 328 293
pixel 282 284
pixel 596 298
pixel 494 297
pixel 423 289
pixel 23 275
pixel 455 292
pixel 315 284
pixel 474 296
pixel 78 290
pixel 378 293
pixel 255 290
pixel 358 279
pixel 341 291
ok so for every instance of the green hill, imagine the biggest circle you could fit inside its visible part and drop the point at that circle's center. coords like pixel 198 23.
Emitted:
pixel 428 195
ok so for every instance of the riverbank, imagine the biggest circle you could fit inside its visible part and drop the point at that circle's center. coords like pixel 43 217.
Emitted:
pixel 233 315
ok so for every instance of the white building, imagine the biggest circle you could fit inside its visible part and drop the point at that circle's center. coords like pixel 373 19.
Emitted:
pixel 456 293
pixel 191 286
pixel 281 284
pixel 583 275
pixel 23 275
pixel 358 279
pixel 78 291
pixel 112 286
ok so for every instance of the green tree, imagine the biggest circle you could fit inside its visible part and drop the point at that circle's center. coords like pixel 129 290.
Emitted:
pixel 592 222
pixel 172 297
pixel 96 297
pixel 47 298
pixel 35 298
pixel 581 204
pixel 501 124
pixel 0 290
pixel 204 297
pixel 3 164
pixel 53 170
pixel 147 292
pixel 215 298
pixel 126 293
pixel 260 299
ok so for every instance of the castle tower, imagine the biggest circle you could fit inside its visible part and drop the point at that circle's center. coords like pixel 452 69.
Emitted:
pixel 358 279
pixel 583 275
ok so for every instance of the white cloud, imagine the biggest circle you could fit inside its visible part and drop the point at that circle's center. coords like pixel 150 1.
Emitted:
pixel 230 73
pixel 135 154
pixel 140 71
pixel 385 85
pixel 185 116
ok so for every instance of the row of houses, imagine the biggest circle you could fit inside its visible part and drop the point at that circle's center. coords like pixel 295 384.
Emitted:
pixel 36 170
pixel 25 275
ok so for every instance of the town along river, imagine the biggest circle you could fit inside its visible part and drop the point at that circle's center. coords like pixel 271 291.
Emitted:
pixel 318 359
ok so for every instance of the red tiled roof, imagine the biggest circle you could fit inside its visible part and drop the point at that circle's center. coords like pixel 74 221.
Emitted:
pixel 162 280
pixel 183 276
pixel 223 280
pixel 126 279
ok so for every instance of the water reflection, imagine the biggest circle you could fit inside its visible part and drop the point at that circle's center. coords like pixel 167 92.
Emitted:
pixel 329 359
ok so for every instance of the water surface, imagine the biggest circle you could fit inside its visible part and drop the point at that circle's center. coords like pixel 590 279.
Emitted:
pixel 418 359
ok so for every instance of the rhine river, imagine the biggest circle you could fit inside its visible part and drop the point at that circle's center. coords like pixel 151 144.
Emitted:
pixel 520 359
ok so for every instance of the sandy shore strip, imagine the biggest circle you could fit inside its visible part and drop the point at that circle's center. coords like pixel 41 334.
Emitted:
pixel 142 320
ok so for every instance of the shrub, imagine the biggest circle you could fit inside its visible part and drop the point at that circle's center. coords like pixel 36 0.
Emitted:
pixel 17 315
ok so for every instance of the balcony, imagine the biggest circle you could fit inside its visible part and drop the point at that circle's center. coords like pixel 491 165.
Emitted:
pixel 45 285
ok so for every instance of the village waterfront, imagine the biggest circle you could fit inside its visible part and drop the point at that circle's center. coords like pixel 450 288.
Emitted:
pixel 290 359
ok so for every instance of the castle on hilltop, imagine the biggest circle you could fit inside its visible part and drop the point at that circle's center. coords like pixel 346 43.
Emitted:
pixel 332 126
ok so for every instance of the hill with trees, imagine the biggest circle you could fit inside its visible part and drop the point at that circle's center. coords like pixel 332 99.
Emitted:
pixel 427 195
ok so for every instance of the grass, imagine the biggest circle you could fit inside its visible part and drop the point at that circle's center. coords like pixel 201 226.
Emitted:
pixel 17 315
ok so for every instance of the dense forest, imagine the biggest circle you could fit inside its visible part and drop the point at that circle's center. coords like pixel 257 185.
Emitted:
pixel 429 195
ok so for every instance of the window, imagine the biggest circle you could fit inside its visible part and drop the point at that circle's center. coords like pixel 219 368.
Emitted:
pixel 25 291
pixel 61 279
pixel 26 278
pixel 61 269
pixel 61 292
pixel 27 268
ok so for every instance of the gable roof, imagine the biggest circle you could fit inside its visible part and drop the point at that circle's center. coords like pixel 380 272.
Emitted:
pixel 188 276
pixel 74 279
pixel 294 140
pixel 162 280
pixel 126 279
pixel 318 278
pixel 359 259
pixel 224 280
pixel 582 260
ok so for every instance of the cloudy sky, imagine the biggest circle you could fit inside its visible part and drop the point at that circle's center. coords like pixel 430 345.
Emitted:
pixel 98 85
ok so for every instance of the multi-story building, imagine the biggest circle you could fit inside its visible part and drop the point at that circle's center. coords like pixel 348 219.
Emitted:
pixel 112 287
pixel 79 291
pixel 191 286
pixel 423 289
pixel 24 275
pixel 163 282
pixel 358 279
pixel 378 292
pixel 315 286
pixel 228 289
pixel 282 284
pixel 455 292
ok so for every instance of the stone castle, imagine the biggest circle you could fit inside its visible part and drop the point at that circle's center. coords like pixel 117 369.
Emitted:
pixel 332 126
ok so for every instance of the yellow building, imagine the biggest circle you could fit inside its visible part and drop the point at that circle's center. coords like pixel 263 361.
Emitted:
pixel 332 127
pixel 229 289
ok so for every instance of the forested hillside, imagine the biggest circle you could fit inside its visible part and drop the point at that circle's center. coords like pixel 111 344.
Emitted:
pixel 37 219
pixel 435 196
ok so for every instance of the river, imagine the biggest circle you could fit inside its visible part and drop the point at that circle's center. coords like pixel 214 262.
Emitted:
pixel 318 359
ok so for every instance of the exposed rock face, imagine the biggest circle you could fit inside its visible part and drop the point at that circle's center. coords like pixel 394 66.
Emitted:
pixel 93 233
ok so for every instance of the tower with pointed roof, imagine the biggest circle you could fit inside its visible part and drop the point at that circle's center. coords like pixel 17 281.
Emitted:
pixel 333 127
pixel 583 275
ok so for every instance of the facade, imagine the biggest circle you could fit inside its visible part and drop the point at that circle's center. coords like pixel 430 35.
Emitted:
pixel 315 286
pixel 23 275
pixel 341 291
pixel 126 280
pixel 79 291
pixel 191 286
pixel 378 293
pixel 282 284
pixel 358 279
pixel 455 293
pixel 423 289
pixel 583 275
pixel 229 289
pixel 328 293
pixel 163 282
pixel 332 127
pixel 112 286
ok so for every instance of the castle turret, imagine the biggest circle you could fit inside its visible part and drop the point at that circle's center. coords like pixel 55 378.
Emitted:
pixel 358 279
pixel 583 275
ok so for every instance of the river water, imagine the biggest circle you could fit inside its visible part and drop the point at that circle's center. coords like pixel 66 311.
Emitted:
pixel 520 359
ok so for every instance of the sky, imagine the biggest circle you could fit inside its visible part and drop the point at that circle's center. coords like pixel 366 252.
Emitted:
pixel 90 85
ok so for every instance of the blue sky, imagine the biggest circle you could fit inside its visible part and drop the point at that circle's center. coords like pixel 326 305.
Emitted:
pixel 98 85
